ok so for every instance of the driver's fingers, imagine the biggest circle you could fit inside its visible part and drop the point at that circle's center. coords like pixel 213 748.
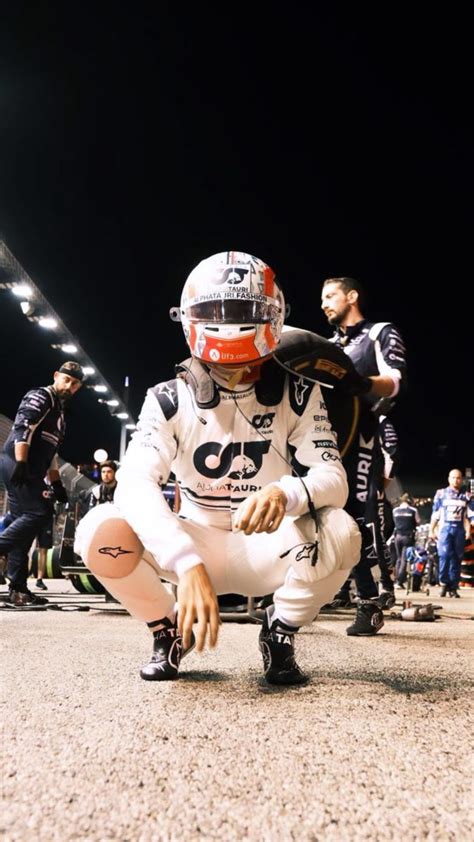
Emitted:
pixel 214 623
pixel 271 519
pixel 202 616
pixel 259 513
pixel 243 514
pixel 185 626
pixel 272 522
pixel 266 519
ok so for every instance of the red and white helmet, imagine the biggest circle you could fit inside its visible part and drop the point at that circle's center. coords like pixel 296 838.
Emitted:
pixel 232 309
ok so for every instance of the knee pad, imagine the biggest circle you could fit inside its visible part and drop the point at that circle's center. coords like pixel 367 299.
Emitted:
pixel 107 544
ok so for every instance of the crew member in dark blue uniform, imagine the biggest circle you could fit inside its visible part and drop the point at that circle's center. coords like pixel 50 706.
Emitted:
pixel 378 352
pixel 28 456
pixel 452 512
pixel 405 520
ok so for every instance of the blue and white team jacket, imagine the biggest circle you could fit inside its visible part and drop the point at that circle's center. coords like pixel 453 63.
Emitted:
pixel 451 507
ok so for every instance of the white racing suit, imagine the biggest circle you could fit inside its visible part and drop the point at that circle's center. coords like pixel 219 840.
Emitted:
pixel 220 456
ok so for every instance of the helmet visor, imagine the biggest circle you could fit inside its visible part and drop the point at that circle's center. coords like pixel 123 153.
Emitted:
pixel 234 311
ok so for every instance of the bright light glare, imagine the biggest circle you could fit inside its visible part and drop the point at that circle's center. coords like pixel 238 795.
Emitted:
pixel 131 426
pixel 100 455
pixel 69 349
pixel 87 369
pixel 122 415
pixel 100 388
pixel 26 307
pixel 112 403
pixel 22 291
pixel 47 322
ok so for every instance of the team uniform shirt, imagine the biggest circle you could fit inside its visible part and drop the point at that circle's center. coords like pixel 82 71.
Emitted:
pixel 405 519
pixel 221 456
pixel 451 507
pixel 39 422
pixel 374 348
pixel 102 494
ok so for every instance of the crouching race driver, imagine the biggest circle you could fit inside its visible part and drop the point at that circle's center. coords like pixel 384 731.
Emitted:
pixel 230 427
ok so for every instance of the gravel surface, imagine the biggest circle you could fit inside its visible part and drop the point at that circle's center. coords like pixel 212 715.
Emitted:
pixel 377 746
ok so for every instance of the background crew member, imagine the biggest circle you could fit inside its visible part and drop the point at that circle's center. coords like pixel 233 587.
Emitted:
pixel 452 509
pixel 405 521
pixel 378 352
pixel 29 453
pixel 104 493
pixel 44 541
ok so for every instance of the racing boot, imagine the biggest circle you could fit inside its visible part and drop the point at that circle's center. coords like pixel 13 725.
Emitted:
pixel 167 653
pixel 368 621
pixel 276 643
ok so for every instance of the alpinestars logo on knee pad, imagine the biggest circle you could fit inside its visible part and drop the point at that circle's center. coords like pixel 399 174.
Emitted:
pixel 114 551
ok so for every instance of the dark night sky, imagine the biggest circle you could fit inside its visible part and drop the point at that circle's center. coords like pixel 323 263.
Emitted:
pixel 327 143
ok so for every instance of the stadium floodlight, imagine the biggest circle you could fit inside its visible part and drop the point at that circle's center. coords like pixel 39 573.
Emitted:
pixel 27 308
pixel 68 348
pixel 14 279
pixel 100 455
pixel 22 291
pixel 47 322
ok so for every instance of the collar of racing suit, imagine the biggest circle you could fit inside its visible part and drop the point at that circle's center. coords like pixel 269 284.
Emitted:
pixel 348 333
pixel 196 375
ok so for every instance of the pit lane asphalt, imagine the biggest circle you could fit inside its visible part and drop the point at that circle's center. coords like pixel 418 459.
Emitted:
pixel 377 746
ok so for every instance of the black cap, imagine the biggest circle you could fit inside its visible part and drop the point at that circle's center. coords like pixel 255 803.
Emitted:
pixel 73 369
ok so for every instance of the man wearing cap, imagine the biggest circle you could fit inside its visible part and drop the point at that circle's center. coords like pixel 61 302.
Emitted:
pixel 104 492
pixel 29 454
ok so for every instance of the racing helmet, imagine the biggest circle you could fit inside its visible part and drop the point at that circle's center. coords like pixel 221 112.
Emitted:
pixel 232 309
